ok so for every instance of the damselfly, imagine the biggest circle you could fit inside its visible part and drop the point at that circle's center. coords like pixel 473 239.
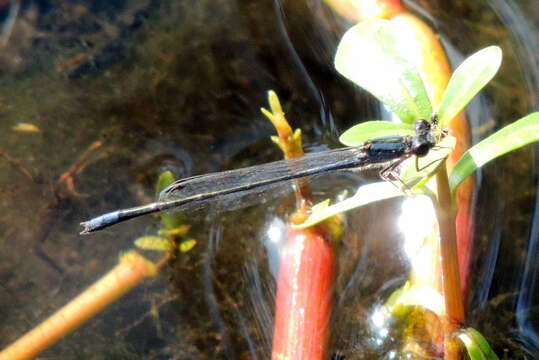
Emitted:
pixel 234 185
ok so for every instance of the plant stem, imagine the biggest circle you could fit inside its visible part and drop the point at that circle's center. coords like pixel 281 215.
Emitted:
pixel 290 143
pixel 306 274
pixel 450 266
pixel 130 271
pixel 304 297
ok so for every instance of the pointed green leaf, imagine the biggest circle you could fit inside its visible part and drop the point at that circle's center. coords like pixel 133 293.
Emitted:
pixel 369 55
pixel 511 137
pixel 474 352
pixel 476 345
pixel 358 134
pixel 483 344
pixel 467 80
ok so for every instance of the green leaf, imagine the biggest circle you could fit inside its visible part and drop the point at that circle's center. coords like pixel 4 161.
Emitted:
pixel 369 55
pixel 168 221
pixel 476 345
pixel 467 80
pixel 187 245
pixel 365 195
pixel 516 135
pixel 358 134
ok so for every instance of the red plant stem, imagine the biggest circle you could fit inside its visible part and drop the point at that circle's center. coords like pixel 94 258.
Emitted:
pixel 464 218
pixel 304 297
pixel 450 266
pixel 306 274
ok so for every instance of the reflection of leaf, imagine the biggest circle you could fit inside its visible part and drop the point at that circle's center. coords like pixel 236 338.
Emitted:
pixel 358 134
pixel 511 137
pixel 467 80
pixel 369 55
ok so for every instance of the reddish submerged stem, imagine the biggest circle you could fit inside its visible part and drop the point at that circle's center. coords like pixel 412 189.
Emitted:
pixel 306 274
pixel 304 297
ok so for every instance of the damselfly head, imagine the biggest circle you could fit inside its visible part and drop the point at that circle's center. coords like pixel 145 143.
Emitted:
pixel 422 143
pixel 422 127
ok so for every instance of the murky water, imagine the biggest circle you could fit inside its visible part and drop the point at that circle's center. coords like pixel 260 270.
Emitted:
pixel 119 91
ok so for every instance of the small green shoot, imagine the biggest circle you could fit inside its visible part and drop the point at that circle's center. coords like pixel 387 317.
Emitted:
pixel 172 234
